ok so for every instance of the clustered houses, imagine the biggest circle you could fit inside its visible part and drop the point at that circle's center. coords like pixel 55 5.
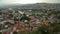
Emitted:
pixel 10 20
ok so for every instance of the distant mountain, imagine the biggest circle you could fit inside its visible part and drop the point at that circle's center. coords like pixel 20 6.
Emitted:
pixel 41 5
pixel 33 6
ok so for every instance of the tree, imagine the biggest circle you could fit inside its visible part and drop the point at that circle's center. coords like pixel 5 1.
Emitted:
pixel 15 32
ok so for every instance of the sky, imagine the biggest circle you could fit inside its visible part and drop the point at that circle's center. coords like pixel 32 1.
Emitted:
pixel 27 1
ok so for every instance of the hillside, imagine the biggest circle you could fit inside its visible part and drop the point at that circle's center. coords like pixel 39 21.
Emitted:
pixel 34 6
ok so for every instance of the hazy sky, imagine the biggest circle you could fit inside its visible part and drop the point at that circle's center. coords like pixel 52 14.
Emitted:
pixel 28 1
